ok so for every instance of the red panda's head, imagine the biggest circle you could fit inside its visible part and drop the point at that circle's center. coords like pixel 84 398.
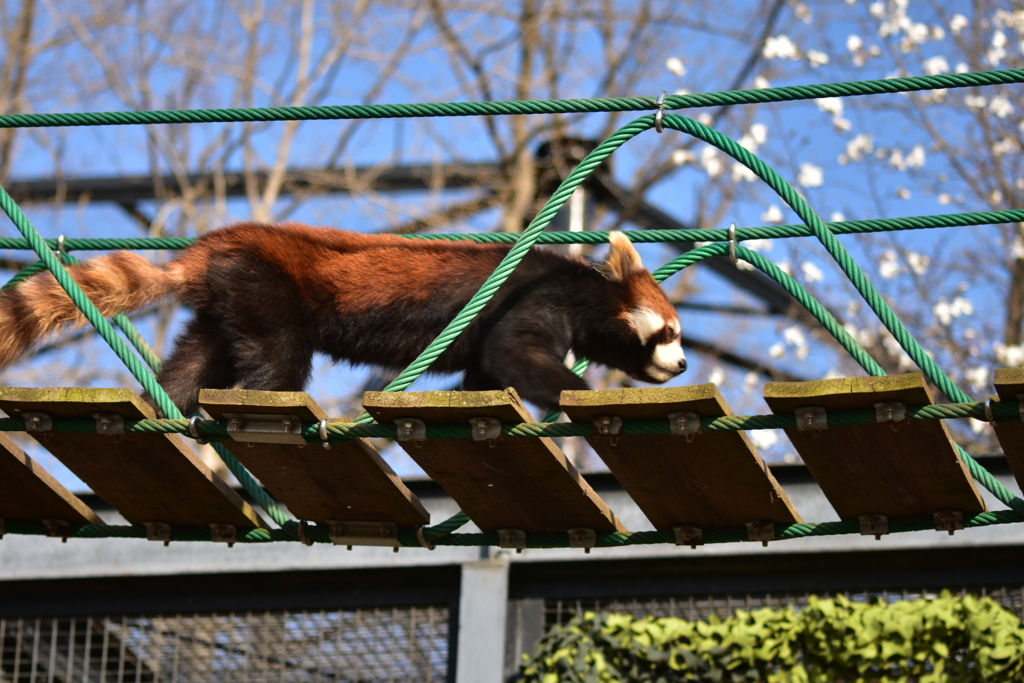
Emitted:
pixel 653 352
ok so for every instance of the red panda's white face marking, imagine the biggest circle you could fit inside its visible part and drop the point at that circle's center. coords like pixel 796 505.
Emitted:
pixel 667 357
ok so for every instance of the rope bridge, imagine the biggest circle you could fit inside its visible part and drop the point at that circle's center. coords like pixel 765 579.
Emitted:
pixel 514 428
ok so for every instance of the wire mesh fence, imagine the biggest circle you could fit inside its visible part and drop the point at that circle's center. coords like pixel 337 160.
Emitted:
pixel 700 608
pixel 382 644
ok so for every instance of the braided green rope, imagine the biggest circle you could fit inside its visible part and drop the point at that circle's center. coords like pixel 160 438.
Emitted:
pixel 946 220
pixel 516 107
pixel 407 538
pixel 24 274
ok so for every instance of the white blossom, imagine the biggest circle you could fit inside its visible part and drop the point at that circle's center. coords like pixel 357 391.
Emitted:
pixel 780 47
pixel 1005 146
pixel 811 175
pixel 741 172
pixel 945 198
pixel 761 83
pixel 1010 355
pixel 717 375
pixel 975 101
pixel 1000 106
pixel 977 378
pixel 854 43
pixel 832 105
pixel 903 193
pixel 918 262
pixel 785 267
pixel 938 33
pixel 936 65
pixel 802 12
pixel 958 23
pixel 763 439
pixel 860 145
pixel 916 157
pixel 705 118
pixel 710 161
pixel 947 311
pixel 812 273
pixel 889 264
pixel 759 133
pixel 750 380
pixel 896 159
pixel 772 215
pixel 794 336
pixel 675 65
pixel 683 156
pixel 836 217
pixel 759 245
pixel 816 58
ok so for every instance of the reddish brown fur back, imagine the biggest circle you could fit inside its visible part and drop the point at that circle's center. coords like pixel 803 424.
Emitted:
pixel 38 309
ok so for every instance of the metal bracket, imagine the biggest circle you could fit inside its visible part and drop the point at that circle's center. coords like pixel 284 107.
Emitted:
pixel 485 429
pixel 811 418
pixel 948 520
pixel 608 425
pixel 684 423
pixel 109 423
pixel 760 530
pixel 891 412
pixel 37 422
pixel 874 525
pixel 343 532
pixel 224 533
pixel 301 531
pixel 582 538
pixel 512 538
pixel 258 428
pixel 692 536
pixel 58 528
pixel 411 429
pixel 158 531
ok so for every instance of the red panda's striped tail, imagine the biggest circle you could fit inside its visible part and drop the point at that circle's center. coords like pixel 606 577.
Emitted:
pixel 39 308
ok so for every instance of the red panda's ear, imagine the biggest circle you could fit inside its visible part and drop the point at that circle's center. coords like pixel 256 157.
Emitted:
pixel 623 258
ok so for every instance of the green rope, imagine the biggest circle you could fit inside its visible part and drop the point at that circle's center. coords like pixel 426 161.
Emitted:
pixel 946 220
pixel 516 107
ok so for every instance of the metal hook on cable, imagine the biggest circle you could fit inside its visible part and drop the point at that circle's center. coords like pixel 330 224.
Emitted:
pixel 732 243
pixel 660 116
pixel 62 250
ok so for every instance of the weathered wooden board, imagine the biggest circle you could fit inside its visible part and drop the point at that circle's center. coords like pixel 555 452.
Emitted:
pixel 875 468
pixel 145 477
pixel 715 479
pixel 349 482
pixel 28 492
pixel 1009 385
pixel 514 483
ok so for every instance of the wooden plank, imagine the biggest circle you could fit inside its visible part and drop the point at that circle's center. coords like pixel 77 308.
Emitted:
pixel 1009 384
pixel 715 479
pixel 145 477
pixel 28 492
pixel 515 483
pixel 874 468
pixel 348 482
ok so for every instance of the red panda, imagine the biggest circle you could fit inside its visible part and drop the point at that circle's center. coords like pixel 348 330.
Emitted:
pixel 267 297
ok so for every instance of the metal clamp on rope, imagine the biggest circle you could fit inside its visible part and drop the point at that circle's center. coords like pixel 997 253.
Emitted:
pixel 684 423
pixel 193 430
pixel 411 429
pixel 761 530
pixel 58 528
pixel 486 429
pixel 512 538
pixel 811 419
pixel 62 250
pixel 873 525
pixel 893 413
pixel 423 539
pixel 608 425
pixel 732 243
pixel 322 430
pixel 582 538
pixel 659 118
pixel 948 520
pixel 692 536
pixel 37 422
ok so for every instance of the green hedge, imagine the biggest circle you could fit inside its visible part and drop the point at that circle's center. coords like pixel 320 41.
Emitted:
pixel 954 639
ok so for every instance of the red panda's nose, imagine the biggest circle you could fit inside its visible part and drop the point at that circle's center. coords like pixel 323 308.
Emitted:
pixel 682 365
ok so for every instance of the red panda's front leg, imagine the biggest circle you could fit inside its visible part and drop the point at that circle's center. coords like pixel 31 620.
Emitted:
pixel 536 373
